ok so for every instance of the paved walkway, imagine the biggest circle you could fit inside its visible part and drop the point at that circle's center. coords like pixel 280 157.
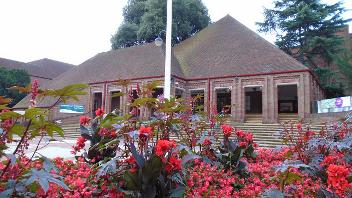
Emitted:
pixel 49 148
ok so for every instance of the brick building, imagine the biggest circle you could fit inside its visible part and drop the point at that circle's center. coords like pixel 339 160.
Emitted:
pixel 227 63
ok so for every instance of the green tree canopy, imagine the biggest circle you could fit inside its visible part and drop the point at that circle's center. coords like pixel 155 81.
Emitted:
pixel 306 29
pixel 13 77
pixel 145 19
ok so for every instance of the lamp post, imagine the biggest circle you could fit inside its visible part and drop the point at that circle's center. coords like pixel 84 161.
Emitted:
pixel 158 42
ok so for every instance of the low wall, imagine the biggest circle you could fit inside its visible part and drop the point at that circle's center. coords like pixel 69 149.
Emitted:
pixel 318 118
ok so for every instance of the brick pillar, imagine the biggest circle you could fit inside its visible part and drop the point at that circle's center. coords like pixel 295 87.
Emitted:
pixel 275 103
pixel 238 112
pixel 272 100
pixel 308 93
pixel 301 96
pixel 265 102
pixel 124 101
pixel 233 101
pixel 214 99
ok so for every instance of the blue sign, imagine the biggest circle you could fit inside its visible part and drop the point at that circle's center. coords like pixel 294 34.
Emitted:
pixel 68 108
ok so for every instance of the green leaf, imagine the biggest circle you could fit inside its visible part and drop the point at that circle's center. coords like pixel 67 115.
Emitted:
pixel 17 129
pixel 178 192
pixel 188 158
pixel 108 167
pixel 43 178
pixel 139 158
pixel 33 112
pixel 273 193
pixel 292 177
pixel 151 170
pixel 9 115
pixel 86 133
pixel 117 94
pixel 51 128
pixel 132 181
pixel 349 178
pixel 67 93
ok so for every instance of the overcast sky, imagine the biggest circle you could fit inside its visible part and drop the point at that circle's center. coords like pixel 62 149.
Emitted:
pixel 73 31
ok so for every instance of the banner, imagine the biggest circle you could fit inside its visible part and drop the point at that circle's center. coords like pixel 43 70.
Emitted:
pixel 69 108
pixel 335 105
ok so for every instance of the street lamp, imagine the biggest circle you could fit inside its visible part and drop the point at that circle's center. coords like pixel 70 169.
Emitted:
pixel 159 42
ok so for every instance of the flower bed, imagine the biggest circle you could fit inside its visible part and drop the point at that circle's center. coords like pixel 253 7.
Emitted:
pixel 129 157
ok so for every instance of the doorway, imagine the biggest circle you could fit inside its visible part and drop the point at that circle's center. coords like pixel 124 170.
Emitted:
pixel 287 99
pixel 223 101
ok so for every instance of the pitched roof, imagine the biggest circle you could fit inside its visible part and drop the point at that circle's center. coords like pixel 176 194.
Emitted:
pixel 51 68
pixel 43 68
pixel 134 62
pixel 227 47
pixel 32 70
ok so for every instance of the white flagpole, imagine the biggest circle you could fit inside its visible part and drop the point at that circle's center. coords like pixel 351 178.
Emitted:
pixel 167 83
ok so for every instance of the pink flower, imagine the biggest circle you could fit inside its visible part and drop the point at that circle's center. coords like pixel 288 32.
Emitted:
pixel 337 178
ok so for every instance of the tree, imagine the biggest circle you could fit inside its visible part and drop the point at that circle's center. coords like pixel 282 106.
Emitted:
pixel 306 29
pixel 144 20
pixel 13 77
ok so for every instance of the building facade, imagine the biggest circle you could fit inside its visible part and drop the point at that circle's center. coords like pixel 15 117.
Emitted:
pixel 235 70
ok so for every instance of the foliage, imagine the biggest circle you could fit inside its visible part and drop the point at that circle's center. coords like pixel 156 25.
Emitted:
pixel 145 19
pixel 22 176
pixel 129 156
pixel 307 31
pixel 13 77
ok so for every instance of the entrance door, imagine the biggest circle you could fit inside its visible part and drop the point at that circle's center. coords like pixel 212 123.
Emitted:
pixel 156 93
pixel 115 101
pixel 198 101
pixel 223 101
pixel 287 99
pixel 253 100
pixel 97 101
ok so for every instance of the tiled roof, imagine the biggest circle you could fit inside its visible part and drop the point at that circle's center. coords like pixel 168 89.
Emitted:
pixel 134 62
pixel 32 70
pixel 229 48
pixel 44 68
pixel 51 68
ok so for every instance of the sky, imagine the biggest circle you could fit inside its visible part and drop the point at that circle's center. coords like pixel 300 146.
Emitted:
pixel 73 31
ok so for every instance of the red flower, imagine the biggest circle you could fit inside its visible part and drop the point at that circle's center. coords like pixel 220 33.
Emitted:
pixel 249 137
pixel 80 144
pixel 99 112
pixel 145 131
pixel 133 170
pixel 163 146
pixel 131 160
pixel 84 120
pixel 227 130
pixel 174 164
pixel 243 144
pixel 113 134
pixel 34 93
pixel 240 134
pixel 337 178
pixel 299 126
pixel 207 142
